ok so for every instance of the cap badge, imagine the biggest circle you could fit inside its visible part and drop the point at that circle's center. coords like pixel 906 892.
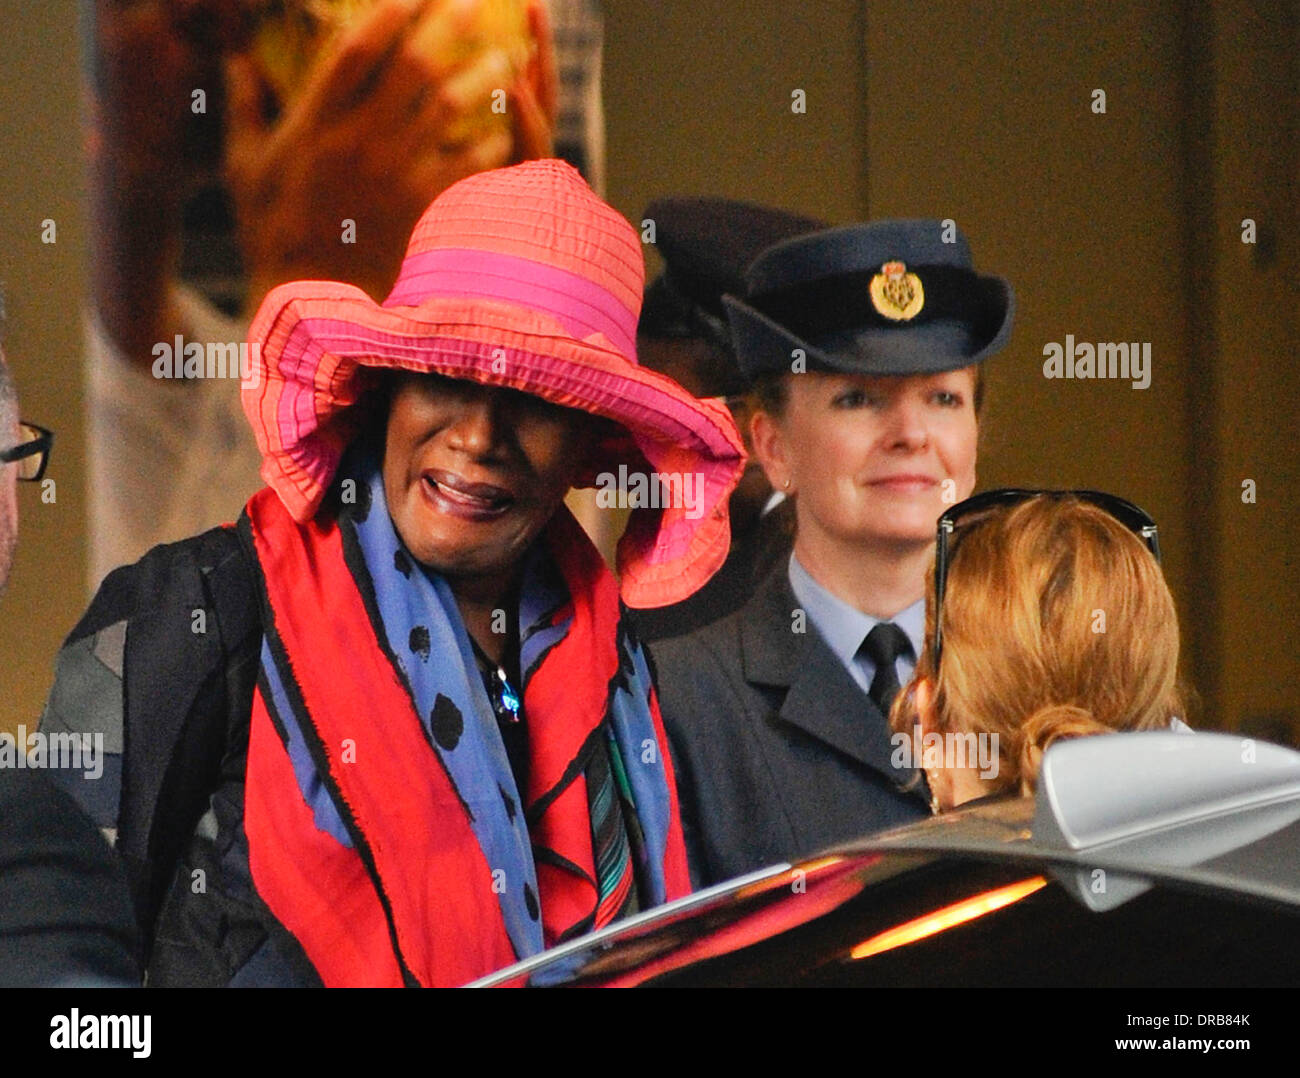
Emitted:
pixel 897 294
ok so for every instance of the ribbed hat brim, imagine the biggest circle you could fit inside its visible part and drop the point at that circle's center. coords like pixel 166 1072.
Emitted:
pixel 314 339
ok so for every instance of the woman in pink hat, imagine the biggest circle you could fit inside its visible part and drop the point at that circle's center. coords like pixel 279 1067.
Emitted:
pixel 391 729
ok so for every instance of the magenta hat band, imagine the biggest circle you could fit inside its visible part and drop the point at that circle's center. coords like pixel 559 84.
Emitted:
pixel 581 306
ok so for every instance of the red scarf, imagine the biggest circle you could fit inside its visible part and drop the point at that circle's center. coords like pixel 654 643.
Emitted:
pixel 412 900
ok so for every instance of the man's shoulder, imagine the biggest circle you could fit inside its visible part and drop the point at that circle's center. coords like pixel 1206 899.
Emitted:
pixel 65 912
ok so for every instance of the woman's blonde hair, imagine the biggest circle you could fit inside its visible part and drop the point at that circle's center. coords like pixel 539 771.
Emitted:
pixel 1057 623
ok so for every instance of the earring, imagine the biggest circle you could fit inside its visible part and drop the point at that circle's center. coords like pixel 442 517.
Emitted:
pixel 935 808
pixel 786 485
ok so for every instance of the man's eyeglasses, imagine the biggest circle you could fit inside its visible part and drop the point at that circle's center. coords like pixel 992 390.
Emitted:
pixel 1128 514
pixel 32 451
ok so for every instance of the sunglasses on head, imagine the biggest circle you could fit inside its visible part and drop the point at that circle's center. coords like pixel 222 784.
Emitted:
pixel 1128 514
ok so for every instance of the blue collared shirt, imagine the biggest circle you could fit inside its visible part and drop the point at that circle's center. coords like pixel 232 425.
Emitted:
pixel 844 627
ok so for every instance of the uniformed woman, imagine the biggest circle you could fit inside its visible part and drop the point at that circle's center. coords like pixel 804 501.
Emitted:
pixel 864 344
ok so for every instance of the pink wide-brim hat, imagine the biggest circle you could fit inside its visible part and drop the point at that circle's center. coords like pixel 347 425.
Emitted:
pixel 520 277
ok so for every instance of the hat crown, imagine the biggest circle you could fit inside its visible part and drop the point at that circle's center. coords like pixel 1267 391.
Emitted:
pixel 707 243
pixel 536 235
pixel 856 248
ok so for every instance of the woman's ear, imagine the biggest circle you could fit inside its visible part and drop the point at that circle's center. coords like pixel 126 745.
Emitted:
pixel 769 449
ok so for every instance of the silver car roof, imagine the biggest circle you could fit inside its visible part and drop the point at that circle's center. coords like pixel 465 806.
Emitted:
pixel 1207 810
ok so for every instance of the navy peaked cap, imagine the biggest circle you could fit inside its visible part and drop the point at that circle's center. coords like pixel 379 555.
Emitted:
pixel 885 297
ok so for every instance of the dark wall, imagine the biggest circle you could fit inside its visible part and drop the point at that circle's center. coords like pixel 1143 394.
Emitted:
pixel 1115 226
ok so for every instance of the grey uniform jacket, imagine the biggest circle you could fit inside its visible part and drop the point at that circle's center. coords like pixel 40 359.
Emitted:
pixel 777 750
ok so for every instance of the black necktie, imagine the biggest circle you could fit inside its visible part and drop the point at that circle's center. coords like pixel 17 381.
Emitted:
pixel 885 643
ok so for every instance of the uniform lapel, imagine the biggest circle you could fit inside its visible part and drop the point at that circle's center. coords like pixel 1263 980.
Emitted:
pixel 821 697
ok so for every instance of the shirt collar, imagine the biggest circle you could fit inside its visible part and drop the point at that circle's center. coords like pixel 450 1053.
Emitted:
pixel 844 626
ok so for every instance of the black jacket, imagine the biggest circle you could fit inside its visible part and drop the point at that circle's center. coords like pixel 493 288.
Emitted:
pixel 777 751
pixel 163 666
pixel 65 918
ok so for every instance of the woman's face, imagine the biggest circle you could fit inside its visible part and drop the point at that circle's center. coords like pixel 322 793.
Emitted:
pixel 472 473
pixel 874 460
